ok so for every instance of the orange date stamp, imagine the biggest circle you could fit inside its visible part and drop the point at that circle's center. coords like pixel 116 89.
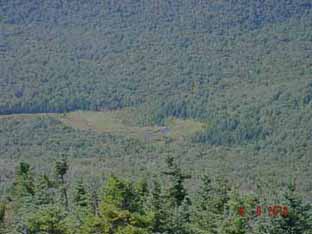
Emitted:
pixel 272 211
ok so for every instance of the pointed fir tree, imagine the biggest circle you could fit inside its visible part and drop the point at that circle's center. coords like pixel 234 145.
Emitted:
pixel 177 191
pixel 60 170
pixel 181 222
pixel 44 191
pixel 81 210
pixel 2 212
pixel 160 208
pixel 234 221
pixel 2 217
pixel 23 185
pixel 81 196
pixel 23 195
pixel 121 211
pixel 210 205
pixel 175 201
pixel 298 218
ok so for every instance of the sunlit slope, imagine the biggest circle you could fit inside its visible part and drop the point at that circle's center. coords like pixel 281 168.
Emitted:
pixel 116 123
pixel 113 122
pixel 104 142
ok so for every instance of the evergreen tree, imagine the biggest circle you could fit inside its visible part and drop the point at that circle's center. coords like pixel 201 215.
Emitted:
pixel 2 217
pixel 94 202
pixel 49 219
pixel 44 191
pixel 177 192
pixel 156 206
pixel 23 191
pixel 121 211
pixel 210 205
pixel 81 196
pixel 298 219
pixel 238 213
pixel 142 191
pixel 2 212
pixel 180 220
pixel 61 168
pixel 175 204
pixel 24 184
pixel 160 208
pixel 81 210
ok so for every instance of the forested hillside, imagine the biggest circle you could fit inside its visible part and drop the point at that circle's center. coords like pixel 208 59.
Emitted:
pixel 67 55
pixel 118 91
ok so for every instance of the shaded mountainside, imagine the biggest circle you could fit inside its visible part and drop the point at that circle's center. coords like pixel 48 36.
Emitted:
pixel 241 68
pixel 68 55
pixel 231 13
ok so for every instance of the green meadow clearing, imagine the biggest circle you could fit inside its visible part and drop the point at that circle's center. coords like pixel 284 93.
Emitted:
pixel 114 122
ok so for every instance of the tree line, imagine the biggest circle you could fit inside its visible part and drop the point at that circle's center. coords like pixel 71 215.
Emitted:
pixel 42 204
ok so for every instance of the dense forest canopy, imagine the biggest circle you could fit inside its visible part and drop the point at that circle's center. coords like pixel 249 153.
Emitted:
pixel 68 55
pixel 155 116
